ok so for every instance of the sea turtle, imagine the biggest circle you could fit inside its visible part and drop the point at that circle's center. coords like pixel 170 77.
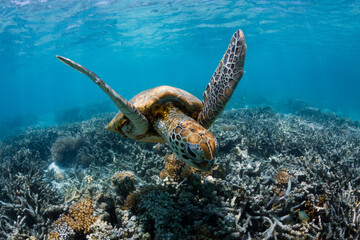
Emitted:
pixel 172 115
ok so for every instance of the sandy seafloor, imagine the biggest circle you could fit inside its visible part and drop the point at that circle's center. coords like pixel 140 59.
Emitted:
pixel 277 176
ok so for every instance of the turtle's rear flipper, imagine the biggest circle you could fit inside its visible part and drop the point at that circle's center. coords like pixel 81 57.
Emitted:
pixel 139 121
pixel 224 81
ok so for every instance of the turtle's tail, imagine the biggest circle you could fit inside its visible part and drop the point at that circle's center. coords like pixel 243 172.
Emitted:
pixel 139 121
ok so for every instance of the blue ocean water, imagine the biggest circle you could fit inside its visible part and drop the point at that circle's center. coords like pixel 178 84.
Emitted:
pixel 306 50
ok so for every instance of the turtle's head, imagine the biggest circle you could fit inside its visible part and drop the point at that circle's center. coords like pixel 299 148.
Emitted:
pixel 194 144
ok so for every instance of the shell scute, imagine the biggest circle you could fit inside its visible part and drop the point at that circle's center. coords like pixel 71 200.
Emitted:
pixel 150 103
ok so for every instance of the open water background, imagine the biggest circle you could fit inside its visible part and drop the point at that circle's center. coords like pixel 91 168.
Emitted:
pixel 306 50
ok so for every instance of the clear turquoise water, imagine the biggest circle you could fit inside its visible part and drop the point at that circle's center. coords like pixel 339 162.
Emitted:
pixel 305 50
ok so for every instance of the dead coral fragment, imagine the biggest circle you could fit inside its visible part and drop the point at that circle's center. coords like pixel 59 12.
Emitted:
pixel 80 216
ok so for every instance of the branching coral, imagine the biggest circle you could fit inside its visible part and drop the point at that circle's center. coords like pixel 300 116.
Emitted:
pixel 289 177
pixel 28 203
pixel 64 149
pixel 132 200
pixel 123 183
pixel 61 231
pixel 157 208
pixel 175 168
pixel 79 217
pixel 282 176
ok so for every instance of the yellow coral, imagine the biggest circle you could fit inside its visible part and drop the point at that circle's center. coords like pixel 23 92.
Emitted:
pixel 89 179
pixel 80 216
pixel 177 169
pixel 282 176
pixel 53 236
pixel 174 168
pixel 132 200
pixel 121 175
pixel 317 207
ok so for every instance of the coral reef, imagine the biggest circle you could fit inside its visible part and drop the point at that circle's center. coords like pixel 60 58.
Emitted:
pixel 64 149
pixel 123 183
pixel 175 168
pixel 132 201
pixel 28 202
pixel 160 213
pixel 79 219
pixel 277 176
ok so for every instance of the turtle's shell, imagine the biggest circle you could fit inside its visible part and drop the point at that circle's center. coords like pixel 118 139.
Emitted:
pixel 150 103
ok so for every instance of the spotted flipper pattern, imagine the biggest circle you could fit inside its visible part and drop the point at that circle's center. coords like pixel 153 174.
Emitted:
pixel 224 81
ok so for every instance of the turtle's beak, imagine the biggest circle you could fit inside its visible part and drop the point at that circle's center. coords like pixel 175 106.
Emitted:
pixel 205 165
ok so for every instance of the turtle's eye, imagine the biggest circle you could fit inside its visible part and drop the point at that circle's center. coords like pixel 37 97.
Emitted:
pixel 195 157
pixel 189 151
pixel 193 151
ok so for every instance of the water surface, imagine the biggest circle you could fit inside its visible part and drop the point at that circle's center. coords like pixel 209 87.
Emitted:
pixel 296 50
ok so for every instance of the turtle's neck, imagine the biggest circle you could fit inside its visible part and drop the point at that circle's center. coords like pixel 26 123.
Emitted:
pixel 186 137
pixel 168 119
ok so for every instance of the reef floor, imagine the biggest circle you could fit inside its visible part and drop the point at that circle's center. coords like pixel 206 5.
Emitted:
pixel 277 176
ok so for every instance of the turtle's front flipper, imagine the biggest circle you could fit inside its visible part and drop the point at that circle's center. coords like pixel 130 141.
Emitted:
pixel 224 81
pixel 139 121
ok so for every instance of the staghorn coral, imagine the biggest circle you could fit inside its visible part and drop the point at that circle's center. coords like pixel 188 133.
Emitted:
pixel 315 153
pixel 28 202
pixel 315 207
